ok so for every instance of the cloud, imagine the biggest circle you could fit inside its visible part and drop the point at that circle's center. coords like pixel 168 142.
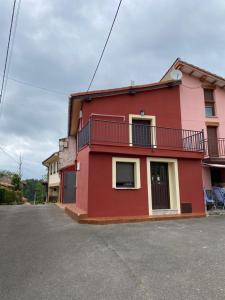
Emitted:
pixel 57 46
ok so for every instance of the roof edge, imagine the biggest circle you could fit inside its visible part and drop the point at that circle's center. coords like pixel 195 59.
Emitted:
pixel 44 162
pixel 123 90
pixel 182 62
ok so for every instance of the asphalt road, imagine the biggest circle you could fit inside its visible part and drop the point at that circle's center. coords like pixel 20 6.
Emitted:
pixel 46 255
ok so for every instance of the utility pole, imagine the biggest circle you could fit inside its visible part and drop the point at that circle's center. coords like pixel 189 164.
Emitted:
pixel 35 196
pixel 20 166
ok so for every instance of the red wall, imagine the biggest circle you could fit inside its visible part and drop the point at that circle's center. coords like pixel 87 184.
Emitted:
pixel 191 186
pixel 106 201
pixel 82 179
pixel 94 181
pixel 162 103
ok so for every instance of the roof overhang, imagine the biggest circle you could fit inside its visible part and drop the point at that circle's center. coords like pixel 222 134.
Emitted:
pixel 53 157
pixel 76 99
pixel 204 76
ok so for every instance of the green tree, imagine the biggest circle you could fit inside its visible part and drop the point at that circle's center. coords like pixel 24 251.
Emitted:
pixel 32 187
pixel 16 181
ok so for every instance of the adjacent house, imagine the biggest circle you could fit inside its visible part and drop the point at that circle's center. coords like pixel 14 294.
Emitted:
pixel 52 164
pixel 135 156
pixel 202 104
pixel 6 182
pixel 67 155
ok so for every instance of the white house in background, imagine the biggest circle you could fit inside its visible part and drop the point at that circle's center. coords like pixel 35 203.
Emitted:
pixel 52 164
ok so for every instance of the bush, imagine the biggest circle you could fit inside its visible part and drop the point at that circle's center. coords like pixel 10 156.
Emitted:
pixel 2 195
pixel 10 197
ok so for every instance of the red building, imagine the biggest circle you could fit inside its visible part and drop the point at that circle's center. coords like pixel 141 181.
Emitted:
pixel 134 161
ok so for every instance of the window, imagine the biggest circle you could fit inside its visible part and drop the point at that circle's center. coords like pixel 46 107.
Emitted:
pixel 209 103
pixel 126 173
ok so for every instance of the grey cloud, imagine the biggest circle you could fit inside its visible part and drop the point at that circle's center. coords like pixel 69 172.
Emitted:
pixel 57 46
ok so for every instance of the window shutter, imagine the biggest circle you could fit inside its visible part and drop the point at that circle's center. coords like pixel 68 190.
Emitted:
pixel 208 95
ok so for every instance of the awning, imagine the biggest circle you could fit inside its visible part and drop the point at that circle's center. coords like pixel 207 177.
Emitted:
pixel 214 165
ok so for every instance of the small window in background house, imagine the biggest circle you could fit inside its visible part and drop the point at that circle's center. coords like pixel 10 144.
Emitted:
pixel 50 169
pixel 209 102
pixel 125 174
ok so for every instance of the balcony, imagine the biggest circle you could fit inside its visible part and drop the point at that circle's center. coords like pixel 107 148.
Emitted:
pixel 123 134
pixel 215 149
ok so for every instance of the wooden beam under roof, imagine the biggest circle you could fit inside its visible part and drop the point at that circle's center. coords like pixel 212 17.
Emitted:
pixel 203 78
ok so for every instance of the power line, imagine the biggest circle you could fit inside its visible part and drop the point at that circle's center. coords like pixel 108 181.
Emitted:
pixel 38 87
pixel 9 155
pixel 100 59
pixel 10 52
pixel 7 51
pixel 19 162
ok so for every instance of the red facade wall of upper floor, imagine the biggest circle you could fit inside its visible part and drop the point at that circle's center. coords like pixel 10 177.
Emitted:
pixel 163 103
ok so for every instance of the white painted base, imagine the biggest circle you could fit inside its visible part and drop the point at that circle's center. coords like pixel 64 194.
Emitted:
pixel 165 212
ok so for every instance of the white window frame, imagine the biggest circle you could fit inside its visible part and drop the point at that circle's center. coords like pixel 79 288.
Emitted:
pixel 137 177
pixel 140 117
pixel 174 187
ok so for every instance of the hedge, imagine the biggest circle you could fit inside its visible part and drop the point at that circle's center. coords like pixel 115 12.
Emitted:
pixel 10 197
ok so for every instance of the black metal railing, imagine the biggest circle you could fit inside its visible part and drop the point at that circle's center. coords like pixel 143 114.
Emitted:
pixel 215 148
pixel 106 132
pixel 84 136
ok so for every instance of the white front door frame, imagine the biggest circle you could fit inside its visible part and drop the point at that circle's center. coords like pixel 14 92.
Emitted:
pixel 174 189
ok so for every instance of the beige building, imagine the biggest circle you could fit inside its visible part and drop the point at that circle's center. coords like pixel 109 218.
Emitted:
pixel 52 164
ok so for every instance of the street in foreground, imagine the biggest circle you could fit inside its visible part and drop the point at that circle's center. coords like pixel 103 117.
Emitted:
pixel 46 255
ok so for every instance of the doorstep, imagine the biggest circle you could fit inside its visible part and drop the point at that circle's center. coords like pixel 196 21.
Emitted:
pixel 81 216
pixel 165 212
pixel 73 211
pixel 135 219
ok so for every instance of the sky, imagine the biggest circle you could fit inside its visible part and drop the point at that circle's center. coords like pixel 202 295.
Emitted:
pixel 56 48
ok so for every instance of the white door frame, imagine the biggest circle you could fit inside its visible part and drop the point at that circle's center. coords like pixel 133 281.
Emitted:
pixel 174 189
pixel 139 117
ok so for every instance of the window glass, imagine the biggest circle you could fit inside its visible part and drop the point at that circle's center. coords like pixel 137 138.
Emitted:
pixel 209 109
pixel 125 174
pixel 209 102
pixel 208 95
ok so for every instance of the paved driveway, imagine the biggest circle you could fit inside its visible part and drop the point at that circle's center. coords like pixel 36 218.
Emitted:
pixel 46 255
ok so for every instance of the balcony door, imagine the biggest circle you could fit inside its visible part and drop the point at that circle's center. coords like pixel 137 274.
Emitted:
pixel 212 141
pixel 141 133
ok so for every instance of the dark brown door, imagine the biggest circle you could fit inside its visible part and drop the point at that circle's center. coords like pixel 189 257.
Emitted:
pixel 212 141
pixel 69 187
pixel 160 185
pixel 141 133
